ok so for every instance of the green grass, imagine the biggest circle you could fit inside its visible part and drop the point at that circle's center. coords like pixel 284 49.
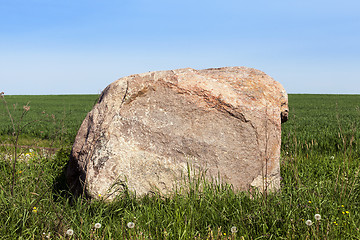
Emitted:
pixel 321 122
pixel 57 116
pixel 319 169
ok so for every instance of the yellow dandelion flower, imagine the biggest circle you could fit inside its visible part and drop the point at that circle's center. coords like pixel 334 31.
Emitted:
pixel 309 202
pixel 34 210
pixel 347 212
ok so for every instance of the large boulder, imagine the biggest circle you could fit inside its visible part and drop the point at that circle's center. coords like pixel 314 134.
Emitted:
pixel 147 129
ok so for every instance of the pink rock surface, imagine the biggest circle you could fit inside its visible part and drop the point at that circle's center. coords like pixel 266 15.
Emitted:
pixel 147 128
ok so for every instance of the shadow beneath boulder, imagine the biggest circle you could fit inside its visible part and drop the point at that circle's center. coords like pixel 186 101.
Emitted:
pixel 60 188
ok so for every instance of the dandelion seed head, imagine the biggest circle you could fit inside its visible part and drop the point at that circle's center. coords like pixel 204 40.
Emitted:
pixel 318 217
pixel 131 225
pixel 97 225
pixel 308 222
pixel 234 229
pixel 70 232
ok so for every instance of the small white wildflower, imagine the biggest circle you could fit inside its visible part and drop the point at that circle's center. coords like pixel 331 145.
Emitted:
pixel 308 222
pixel 332 157
pixel 234 229
pixel 30 150
pixel 70 232
pixel 318 217
pixel 97 225
pixel 131 225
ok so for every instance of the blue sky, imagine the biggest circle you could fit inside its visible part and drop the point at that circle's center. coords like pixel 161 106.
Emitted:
pixel 81 46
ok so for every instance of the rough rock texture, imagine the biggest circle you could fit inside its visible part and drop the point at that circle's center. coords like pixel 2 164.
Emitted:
pixel 147 128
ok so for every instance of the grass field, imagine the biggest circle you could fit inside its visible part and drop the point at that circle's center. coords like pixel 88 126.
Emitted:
pixel 59 115
pixel 319 168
